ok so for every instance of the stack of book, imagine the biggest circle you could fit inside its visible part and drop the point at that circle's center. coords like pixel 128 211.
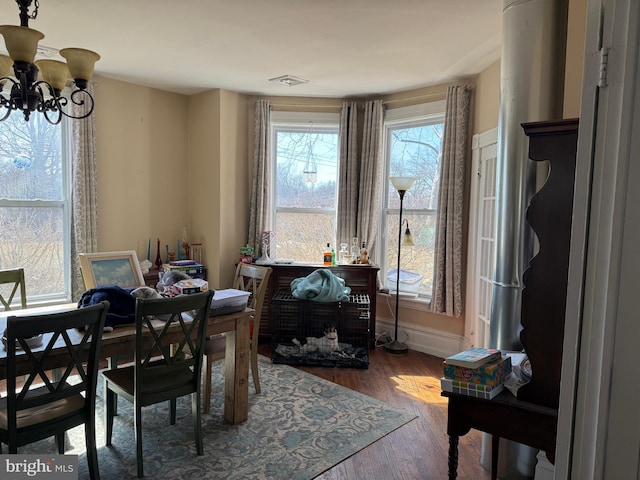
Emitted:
pixel 190 267
pixel 477 372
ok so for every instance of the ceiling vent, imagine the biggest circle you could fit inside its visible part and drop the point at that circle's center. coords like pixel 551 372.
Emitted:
pixel 288 80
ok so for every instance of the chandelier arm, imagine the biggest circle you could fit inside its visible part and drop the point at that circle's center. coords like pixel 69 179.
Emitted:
pixel 51 111
pixel 89 102
pixel 7 105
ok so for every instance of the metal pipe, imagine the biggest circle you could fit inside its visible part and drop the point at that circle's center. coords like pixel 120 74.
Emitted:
pixel 531 88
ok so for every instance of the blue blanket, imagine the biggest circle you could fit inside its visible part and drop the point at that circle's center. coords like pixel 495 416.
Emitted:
pixel 122 305
pixel 320 286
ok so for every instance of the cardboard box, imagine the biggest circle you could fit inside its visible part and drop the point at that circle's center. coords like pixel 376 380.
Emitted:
pixel 229 301
pixel 193 285
pixel 492 373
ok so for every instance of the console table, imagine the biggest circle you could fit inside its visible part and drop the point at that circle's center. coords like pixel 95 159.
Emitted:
pixel 360 278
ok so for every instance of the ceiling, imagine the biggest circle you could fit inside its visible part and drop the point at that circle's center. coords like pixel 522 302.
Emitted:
pixel 342 47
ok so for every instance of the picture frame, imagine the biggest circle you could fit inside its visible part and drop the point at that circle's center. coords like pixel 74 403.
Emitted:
pixel 111 268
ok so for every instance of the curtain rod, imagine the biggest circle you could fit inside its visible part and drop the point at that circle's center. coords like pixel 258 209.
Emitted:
pixel 416 97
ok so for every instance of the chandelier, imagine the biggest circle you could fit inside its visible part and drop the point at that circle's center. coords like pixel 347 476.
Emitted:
pixel 20 72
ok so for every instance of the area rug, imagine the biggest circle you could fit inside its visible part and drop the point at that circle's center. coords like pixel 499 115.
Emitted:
pixel 299 426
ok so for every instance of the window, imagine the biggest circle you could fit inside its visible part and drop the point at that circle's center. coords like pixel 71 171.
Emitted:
pixel 305 149
pixel 412 146
pixel 34 204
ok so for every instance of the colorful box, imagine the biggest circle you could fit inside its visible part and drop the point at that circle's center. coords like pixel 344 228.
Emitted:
pixel 191 269
pixel 193 285
pixel 485 392
pixel 492 373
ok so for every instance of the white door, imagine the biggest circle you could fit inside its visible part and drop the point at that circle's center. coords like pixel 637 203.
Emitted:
pixel 482 233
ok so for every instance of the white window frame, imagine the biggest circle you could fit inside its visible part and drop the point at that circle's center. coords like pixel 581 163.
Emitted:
pixel 65 204
pixel 283 120
pixel 433 112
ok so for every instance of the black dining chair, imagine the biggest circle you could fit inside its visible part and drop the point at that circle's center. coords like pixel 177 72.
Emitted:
pixel 170 335
pixel 41 408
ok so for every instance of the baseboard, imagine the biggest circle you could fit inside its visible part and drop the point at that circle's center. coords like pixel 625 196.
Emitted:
pixel 423 339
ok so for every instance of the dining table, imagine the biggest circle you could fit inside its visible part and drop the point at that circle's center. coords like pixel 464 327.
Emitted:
pixel 120 342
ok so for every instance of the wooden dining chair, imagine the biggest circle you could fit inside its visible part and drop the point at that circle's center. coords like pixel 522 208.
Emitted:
pixel 14 278
pixel 168 362
pixel 249 278
pixel 41 408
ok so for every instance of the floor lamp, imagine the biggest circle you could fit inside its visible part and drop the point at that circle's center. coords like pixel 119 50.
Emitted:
pixel 401 184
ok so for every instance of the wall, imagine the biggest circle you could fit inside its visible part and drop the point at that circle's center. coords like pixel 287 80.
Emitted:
pixel 487 99
pixel 141 149
pixel 218 189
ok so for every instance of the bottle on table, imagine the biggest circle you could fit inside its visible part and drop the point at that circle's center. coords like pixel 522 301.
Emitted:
pixel 343 251
pixel 327 256
pixel 364 254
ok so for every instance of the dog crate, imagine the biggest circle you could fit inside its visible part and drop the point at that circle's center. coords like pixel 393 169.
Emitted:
pixel 295 321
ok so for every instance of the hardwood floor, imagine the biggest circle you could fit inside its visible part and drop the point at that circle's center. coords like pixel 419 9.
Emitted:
pixel 417 450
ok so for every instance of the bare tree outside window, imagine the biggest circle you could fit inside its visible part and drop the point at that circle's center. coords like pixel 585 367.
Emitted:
pixel 32 203
pixel 413 150
pixel 306 191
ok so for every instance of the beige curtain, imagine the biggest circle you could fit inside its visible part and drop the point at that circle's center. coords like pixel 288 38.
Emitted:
pixel 370 174
pixel 348 176
pixel 447 275
pixel 84 199
pixel 259 203
pixel 359 177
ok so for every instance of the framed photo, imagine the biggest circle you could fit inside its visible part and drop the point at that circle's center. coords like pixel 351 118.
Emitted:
pixel 111 268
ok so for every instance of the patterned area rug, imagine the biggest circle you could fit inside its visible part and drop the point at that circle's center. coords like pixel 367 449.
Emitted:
pixel 298 427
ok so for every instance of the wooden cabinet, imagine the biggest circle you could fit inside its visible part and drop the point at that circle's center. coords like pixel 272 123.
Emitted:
pixel 361 279
pixel 532 417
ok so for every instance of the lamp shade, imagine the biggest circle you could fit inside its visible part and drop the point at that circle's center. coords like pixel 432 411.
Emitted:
pixel 21 42
pixel 402 183
pixel 80 62
pixel 407 239
pixel 54 73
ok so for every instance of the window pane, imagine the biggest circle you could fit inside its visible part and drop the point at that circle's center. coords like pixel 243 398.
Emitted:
pixel 415 152
pixel 32 238
pixel 30 159
pixel 33 204
pixel 306 166
pixel 416 263
pixel 306 190
pixel 303 236
pixel 412 150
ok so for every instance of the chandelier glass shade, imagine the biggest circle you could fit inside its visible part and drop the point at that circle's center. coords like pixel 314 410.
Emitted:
pixel 21 87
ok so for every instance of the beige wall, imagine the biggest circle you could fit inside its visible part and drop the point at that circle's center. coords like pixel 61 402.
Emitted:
pixel 166 161
pixel 141 148
pixel 487 99
pixel 218 186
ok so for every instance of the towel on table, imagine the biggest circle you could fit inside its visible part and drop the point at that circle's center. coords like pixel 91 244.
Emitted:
pixel 320 286
pixel 122 305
